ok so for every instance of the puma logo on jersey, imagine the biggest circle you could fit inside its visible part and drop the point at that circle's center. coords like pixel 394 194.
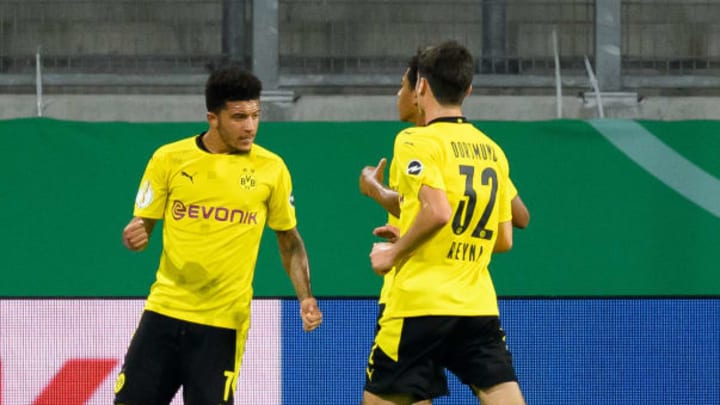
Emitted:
pixel 184 174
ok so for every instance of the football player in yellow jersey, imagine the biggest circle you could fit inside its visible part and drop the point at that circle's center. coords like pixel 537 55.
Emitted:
pixel 372 177
pixel 454 209
pixel 215 192
pixel 371 184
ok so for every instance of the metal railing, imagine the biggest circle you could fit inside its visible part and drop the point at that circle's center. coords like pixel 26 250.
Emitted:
pixel 347 43
pixel 671 37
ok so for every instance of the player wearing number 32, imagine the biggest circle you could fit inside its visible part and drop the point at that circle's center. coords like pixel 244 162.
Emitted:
pixel 455 210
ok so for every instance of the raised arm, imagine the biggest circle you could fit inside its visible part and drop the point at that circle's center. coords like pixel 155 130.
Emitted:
pixel 295 261
pixel 371 185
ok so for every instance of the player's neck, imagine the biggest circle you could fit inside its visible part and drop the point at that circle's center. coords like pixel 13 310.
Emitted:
pixel 213 143
pixel 436 111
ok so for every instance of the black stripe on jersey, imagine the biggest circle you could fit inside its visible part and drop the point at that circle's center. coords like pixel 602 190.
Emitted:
pixel 199 142
pixel 454 120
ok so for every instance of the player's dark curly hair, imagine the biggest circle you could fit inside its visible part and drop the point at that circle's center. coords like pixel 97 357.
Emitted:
pixel 448 68
pixel 231 83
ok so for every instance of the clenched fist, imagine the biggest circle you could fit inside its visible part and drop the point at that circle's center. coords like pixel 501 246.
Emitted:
pixel 310 314
pixel 135 235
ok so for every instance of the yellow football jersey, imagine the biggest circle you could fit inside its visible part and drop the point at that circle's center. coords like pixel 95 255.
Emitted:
pixel 214 208
pixel 448 274
pixel 511 190
pixel 394 221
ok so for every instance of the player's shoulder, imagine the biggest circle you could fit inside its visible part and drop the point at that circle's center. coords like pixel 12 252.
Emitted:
pixel 481 136
pixel 415 135
pixel 262 153
pixel 486 138
pixel 181 145
pixel 406 132
pixel 495 147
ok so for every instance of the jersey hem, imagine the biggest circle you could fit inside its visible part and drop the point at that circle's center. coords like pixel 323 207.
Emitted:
pixel 440 312
pixel 221 323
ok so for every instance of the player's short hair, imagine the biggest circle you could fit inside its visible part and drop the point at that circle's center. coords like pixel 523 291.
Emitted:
pixel 230 83
pixel 448 68
pixel 412 69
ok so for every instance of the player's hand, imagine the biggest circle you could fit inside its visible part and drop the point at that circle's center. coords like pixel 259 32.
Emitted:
pixel 372 176
pixel 310 314
pixel 135 236
pixel 382 257
pixel 387 231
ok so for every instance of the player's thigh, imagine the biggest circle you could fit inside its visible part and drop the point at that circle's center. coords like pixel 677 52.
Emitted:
pixel 478 353
pixel 389 399
pixel 210 365
pixel 404 358
pixel 149 374
pixel 507 393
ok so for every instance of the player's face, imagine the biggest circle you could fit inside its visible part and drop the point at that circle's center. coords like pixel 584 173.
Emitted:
pixel 237 125
pixel 407 102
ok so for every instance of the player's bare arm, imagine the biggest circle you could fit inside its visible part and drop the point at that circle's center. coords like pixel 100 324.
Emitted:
pixel 434 213
pixel 504 240
pixel 371 185
pixel 136 234
pixel 387 231
pixel 295 261
pixel 520 213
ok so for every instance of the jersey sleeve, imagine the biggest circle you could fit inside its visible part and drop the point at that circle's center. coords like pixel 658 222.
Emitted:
pixel 281 207
pixel 416 163
pixel 152 195
pixel 392 184
pixel 511 190
pixel 506 191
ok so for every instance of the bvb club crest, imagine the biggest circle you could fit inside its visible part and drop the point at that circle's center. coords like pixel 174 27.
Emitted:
pixel 247 179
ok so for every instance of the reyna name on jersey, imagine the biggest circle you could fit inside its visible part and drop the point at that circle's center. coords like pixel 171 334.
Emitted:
pixel 468 252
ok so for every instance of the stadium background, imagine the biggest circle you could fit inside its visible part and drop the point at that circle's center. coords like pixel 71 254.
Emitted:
pixel 611 296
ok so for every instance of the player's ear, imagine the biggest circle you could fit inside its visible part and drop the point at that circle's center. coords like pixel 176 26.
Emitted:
pixel 468 91
pixel 421 87
pixel 212 119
